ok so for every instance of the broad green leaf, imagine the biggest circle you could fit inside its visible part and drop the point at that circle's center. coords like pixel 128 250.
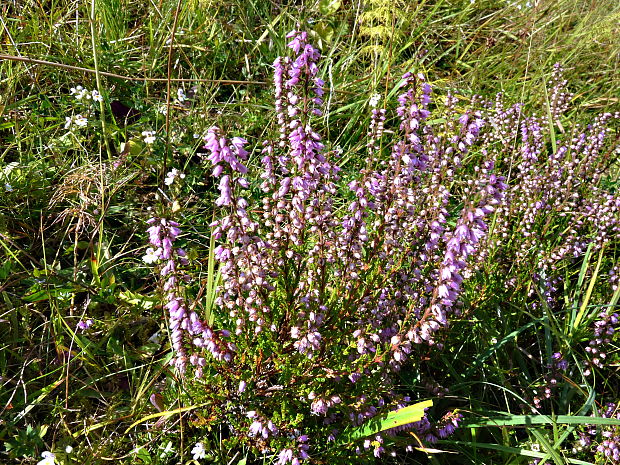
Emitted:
pixel 143 454
pixel 409 414
pixel 5 269
pixel 132 147
pixel 329 7
pixel 325 32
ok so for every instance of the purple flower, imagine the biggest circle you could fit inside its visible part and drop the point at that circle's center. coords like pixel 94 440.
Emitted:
pixel 225 198
pixel 285 456
pixel 256 428
pixel 83 325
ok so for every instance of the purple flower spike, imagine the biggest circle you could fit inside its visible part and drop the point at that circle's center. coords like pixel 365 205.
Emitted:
pixel 183 322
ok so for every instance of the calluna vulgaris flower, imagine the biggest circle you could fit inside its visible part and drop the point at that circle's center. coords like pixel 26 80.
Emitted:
pixel 187 329
pixel 297 243
pixel 326 302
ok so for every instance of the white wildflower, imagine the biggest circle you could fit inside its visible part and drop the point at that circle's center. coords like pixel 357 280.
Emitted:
pixel 374 100
pixel 48 459
pixel 151 255
pixel 79 92
pixel 68 449
pixel 80 121
pixel 162 108
pixel 172 175
pixel 8 187
pixel 149 137
pixel 181 97
pixel 96 96
pixel 199 451
pixel 167 450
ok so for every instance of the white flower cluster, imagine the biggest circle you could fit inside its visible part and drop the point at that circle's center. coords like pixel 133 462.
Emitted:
pixel 75 120
pixel 199 451
pixel 84 94
pixel 374 100
pixel 172 175
pixel 149 137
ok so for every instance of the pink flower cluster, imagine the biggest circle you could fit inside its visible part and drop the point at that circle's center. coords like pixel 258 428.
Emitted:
pixel 186 327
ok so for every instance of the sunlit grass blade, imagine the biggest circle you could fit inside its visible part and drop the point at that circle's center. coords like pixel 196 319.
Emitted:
pixel 512 451
pixel 588 294
pixel 530 420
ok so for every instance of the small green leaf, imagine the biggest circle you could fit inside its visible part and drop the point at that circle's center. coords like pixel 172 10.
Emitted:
pixel 325 32
pixel 43 431
pixel 143 454
pixel 5 269
pixel 329 7
pixel 137 300
pixel 132 147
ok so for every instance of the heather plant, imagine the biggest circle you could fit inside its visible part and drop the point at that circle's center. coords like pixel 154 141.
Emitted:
pixel 322 304
pixel 558 212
